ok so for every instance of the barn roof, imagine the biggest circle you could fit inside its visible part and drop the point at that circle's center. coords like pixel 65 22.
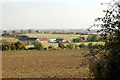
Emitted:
pixel 27 39
pixel 42 39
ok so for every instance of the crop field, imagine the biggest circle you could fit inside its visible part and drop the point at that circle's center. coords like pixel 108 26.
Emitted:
pixel 45 64
pixel 10 39
pixel 52 36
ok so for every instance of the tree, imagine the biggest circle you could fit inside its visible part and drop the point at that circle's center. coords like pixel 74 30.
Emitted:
pixel 54 32
pixel 92 38
pixel 46 32
pixel 5 31
pixel 21 31
pixel 20 45
pixel 107 65
pixel 26 31
pixel 6 45
pixel 13 32
pixel 38 45
pixel 29 31
pixel 37 31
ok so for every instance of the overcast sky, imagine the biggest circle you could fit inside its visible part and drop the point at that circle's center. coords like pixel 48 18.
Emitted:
pixel 49 14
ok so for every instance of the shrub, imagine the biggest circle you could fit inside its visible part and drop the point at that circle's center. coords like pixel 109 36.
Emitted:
pixel 51 47
pixel 20 45
pixel 61 45
pixel 71 46
pixel 6 45
pixel 13 47
pixel 76 46
pixel 98 46
pixel 38 45
pixel 82 45
pixel 46 48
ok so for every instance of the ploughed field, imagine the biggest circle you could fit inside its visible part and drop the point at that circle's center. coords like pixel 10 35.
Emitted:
pixel 45 64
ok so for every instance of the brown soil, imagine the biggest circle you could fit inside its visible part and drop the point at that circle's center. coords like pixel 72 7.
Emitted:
pixel 44 64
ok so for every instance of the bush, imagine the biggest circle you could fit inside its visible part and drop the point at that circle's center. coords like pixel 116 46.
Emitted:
pixel 82 45
pixel 20 45
pixel 98 46
pixel 61 45
pixel 46 48
pixel 38 45
pixel 6 45
pixel 13 46
pixel 76 46
pixel 71 46
pixel 51 47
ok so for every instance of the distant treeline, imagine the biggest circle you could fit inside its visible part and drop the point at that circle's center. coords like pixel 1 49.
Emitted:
pixel 91 38
pixel 41 32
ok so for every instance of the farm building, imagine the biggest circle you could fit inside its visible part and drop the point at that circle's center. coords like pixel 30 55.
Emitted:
pixel 52 41
pixel 60 40
pixel 42 40
pixel 56 40
pixel 27 39
pixel 31 40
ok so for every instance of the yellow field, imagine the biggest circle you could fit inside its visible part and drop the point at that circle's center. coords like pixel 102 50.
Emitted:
pixel 10 39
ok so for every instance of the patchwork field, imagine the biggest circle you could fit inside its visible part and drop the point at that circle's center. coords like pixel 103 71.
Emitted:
pixel 52 36
pixel 44 64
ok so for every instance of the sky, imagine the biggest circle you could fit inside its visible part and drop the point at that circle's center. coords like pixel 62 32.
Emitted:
pixel 49 14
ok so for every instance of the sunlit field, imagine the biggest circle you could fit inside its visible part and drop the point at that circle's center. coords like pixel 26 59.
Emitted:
pixel 52 36
pixel 44 64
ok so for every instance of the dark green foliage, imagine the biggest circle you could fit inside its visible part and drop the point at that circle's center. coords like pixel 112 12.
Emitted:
pixel 20 45
pixel 13 32
pixel 21 32
pixel 80 39
pixel 107 63
pixel 38 45
pixel 46 48
pixel 92 38
pixel 13 46
pixel 61 45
